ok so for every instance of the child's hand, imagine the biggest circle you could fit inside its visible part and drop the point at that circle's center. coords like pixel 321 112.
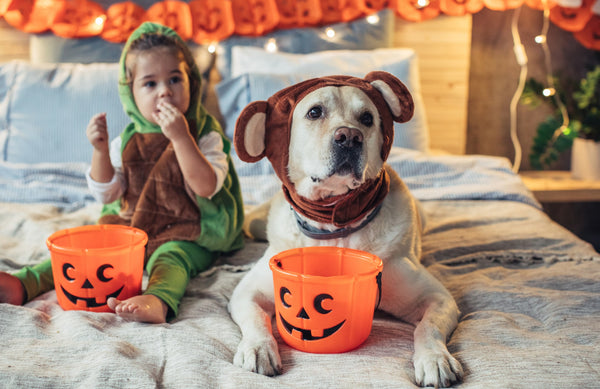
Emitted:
pixel 97 132
pixel 172 122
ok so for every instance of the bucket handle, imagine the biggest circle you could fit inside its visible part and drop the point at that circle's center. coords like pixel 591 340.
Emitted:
pixel 378 280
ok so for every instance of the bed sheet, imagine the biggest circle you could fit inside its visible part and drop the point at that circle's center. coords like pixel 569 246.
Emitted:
pixel 527 289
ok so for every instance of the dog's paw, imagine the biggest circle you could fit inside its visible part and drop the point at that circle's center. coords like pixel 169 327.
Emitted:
pixel 260 357
pixel 437 368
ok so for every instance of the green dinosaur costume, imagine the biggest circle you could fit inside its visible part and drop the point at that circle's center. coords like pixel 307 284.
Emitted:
pixel 186 232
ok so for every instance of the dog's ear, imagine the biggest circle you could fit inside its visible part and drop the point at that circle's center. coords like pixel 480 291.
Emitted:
pixel 395 94
pixel 250 131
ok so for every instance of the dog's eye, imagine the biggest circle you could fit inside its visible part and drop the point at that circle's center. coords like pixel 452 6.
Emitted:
pixel 315 112
pixel 366 119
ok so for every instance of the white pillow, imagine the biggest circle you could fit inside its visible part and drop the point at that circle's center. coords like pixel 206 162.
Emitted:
pixel 45 109
pixel 264 73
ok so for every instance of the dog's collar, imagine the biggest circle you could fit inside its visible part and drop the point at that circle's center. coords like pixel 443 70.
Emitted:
pixel 317 233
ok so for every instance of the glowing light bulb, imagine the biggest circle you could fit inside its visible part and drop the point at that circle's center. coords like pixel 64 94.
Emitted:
pixel 330 32
pixel 212 48
pixel 373 19
pixel 422 4
pixel 271 46
pixel 549 92
pixel 100 20
pixel 540 39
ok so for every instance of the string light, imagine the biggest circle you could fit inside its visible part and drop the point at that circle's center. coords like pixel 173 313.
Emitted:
pixel 271 45
pixel 373 19
pixel 330 32
pixel 422 4
pixel 212 48
pixel 100 20
pixel 550 90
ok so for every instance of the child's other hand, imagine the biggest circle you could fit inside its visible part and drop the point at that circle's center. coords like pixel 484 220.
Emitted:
pixel 172 122
pixel 97 132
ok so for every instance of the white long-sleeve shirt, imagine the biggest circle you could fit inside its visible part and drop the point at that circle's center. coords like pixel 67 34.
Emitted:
pixel 211 146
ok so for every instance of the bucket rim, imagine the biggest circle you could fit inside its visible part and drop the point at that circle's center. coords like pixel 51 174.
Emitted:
pixel 377 262
pixel 141 238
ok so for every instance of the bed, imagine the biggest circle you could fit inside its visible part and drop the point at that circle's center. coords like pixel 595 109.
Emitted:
pixel 528 290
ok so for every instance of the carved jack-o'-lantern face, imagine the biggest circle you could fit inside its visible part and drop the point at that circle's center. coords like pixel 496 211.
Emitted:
pixel 212 20
pixel 90 264
pixel 81 289
pixel 325 297
pixel 296 318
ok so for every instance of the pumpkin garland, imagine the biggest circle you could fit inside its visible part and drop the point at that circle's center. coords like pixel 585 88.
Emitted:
pixel 209 21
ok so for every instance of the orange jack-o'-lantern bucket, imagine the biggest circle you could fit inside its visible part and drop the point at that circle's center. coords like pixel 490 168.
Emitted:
pixel 325 297
pixel 92 263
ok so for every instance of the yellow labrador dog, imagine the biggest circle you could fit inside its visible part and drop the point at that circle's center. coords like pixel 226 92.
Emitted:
pixel 328 139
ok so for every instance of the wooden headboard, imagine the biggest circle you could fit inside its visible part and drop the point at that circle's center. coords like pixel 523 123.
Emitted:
pixel 443 46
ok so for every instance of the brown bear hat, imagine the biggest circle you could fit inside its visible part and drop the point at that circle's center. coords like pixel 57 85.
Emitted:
pixel 263 129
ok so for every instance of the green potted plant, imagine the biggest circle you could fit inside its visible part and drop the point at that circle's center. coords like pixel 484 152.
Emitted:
pixel 582 133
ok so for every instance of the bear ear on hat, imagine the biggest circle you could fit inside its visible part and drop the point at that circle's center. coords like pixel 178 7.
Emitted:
pixel 395 94
pixel 250 131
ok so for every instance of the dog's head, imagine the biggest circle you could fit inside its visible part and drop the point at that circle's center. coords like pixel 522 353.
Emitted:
pixel 325 136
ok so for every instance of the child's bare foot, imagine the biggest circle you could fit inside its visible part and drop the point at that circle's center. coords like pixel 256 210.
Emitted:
pixel 145 308
pixel 11 289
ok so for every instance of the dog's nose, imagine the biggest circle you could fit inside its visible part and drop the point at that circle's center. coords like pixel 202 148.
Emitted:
pixel 348 137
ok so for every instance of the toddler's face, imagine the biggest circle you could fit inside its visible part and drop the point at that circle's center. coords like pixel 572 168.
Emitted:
pixel 159 75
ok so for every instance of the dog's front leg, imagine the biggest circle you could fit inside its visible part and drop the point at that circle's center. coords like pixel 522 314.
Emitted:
pixel 252 308
pixel 411 293
pixel 434 365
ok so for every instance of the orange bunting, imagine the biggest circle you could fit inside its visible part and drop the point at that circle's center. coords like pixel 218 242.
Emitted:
pixel 173 14
pixel 335 11
pixel 589 36
pixel 212 20
pixel 209 21
pixel 502 5
pixel 460 7
pixel 254 17
pixel 78 19
pixel 418 10
pixel 121 20
pixel 572 19
pixel 31 16
pixel 299 13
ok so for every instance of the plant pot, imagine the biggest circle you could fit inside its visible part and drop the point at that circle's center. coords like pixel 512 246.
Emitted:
pixel 585 159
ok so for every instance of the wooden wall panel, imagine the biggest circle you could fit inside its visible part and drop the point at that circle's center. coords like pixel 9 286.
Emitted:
pixel 443 46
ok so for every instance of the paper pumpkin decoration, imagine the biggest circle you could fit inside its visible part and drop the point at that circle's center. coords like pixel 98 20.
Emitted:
pixel 254 17
pixel 121 20
pixel 212 20
pixel 335 11
pixel 298 13
pixel 572 19
pixel 369 7
pixel 173 14
pixel 31 16
pixel 325 297
pixel 78 19
pixel 93 263
pixel 589 36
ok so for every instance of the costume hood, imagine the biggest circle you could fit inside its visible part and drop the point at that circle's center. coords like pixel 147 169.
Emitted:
pixel 195 115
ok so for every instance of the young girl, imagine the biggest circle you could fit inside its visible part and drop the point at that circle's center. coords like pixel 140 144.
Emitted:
pixel 169 174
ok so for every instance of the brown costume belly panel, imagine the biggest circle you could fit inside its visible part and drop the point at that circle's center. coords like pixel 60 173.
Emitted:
pixel 156 199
